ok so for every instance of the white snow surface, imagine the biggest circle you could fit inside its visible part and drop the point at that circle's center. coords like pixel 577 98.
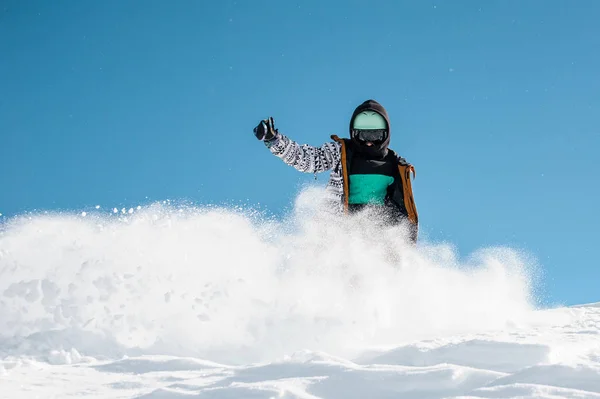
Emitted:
pixel 168 301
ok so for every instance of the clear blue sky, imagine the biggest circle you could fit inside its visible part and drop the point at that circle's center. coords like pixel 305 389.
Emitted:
pixel 496 103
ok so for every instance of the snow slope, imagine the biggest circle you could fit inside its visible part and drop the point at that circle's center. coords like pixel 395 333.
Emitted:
pixel 173 302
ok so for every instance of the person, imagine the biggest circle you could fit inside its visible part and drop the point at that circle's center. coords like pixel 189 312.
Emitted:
pixel 365 173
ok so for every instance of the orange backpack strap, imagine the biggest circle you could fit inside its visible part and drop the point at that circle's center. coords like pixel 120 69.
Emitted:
pixel 409 200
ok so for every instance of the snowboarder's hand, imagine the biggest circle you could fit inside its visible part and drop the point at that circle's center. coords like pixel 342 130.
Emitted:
pixel 265 130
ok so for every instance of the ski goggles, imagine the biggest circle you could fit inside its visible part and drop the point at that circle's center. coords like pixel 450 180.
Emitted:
pixel 366 135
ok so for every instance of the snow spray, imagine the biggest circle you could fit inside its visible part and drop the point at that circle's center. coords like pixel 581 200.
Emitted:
pixel 231 285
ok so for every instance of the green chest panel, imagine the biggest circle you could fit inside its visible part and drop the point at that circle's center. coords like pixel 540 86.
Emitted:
pixel 368 189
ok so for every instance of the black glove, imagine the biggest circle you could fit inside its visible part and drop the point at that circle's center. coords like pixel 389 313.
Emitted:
pixel 265 130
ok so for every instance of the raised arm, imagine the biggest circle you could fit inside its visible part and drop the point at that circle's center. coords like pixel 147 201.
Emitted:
pixel 302 157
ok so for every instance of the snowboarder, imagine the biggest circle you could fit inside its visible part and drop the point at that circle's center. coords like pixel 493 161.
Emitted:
pixel 364 171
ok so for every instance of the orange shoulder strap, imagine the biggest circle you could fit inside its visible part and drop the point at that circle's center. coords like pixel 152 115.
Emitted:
pixel 409 200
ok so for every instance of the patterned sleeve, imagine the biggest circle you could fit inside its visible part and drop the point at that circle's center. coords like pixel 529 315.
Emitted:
pixel 305 158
